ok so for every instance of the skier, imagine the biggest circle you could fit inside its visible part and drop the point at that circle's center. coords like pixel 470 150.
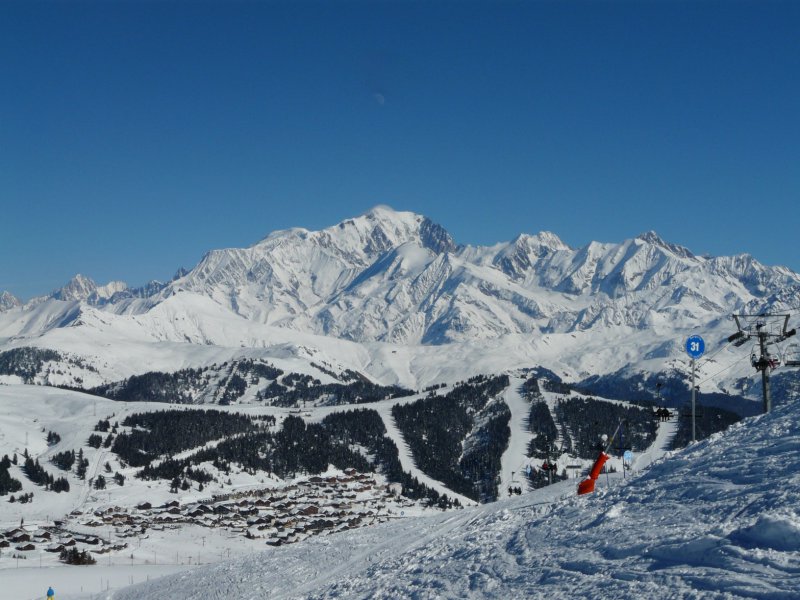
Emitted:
pixel 51 595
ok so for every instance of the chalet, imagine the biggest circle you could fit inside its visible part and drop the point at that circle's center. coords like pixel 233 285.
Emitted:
pixel 88 539
pixel 55 548
pixel 307 509
pixel 26 547
pixel 144 506
pixel 4 543
pixel 20 537
pixel 12 532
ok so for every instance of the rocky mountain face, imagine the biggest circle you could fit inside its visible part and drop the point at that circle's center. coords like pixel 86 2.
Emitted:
pixel 8 300
pixel 398 277
pixel 382 293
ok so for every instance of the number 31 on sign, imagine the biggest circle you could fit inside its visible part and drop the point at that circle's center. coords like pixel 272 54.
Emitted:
pixel 695 346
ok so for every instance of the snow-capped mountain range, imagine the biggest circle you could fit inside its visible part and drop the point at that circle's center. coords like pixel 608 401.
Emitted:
pixel 390 282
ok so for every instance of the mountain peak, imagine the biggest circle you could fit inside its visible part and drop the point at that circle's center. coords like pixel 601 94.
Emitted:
pixel 9 301
pixel 550 240
pixel 84 288
pixel 650 237
pixel 381 211
pixel 79 287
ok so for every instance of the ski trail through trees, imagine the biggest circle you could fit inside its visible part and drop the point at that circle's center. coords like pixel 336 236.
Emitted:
pixel 515 458
pixel 407 460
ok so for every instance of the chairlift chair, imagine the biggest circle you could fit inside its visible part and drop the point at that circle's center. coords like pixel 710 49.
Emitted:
pixel 791 355
pixel 699 411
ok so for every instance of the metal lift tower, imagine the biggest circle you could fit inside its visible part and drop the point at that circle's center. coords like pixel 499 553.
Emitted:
pixel 768 330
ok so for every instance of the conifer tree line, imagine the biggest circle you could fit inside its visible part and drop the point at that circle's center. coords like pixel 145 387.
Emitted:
pixel 437 429
pixel 27 363
pixel 73 556
pixel 171 431
pixel 7 483
pixel 586 420
pixel 37 474
pixel 64 460
pixel 708 420
pixel 580 421
pixel 228 382
pixel 254 445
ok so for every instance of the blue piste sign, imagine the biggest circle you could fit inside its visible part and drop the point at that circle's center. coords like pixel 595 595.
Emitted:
pixel 695 346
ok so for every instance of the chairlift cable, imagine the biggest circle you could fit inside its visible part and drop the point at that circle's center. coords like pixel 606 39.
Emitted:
pixel 733 364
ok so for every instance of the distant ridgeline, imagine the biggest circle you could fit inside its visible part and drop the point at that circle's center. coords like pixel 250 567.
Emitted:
pixel 256 444
pixel 254 380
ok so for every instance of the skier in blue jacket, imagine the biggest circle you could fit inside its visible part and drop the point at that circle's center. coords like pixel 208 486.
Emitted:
pixel 51 595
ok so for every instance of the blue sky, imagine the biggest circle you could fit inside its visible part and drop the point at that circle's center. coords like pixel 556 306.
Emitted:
pixel 136 136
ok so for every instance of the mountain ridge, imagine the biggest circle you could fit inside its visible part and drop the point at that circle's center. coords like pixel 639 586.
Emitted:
pixel 390 280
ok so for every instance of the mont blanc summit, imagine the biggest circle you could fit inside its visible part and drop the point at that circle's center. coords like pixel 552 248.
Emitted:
pixel 392 278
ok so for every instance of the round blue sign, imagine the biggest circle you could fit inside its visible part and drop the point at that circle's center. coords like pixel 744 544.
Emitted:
pixel 695 346
pixel 628 456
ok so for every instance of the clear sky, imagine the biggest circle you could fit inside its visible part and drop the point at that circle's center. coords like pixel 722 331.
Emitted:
pixel 135 136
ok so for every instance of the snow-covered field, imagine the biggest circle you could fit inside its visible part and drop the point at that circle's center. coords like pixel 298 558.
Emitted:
pixel 718 520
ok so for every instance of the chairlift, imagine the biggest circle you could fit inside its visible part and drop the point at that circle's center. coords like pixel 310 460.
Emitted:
pixel 699 412
pixel 762 362
pixel 791 355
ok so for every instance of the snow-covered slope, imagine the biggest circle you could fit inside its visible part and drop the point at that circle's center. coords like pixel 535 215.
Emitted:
pixel 719 520
pixel 382 294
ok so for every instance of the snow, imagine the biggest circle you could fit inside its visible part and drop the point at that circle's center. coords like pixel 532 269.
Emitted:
pixel 407 460
pixel 719 519
pixel 368 294
pixel 514 459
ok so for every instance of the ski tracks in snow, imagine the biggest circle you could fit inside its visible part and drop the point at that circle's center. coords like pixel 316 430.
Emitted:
pixel 515 457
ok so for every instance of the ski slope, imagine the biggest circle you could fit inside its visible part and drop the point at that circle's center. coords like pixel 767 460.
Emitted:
pixel 717 520
pixel 515 458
